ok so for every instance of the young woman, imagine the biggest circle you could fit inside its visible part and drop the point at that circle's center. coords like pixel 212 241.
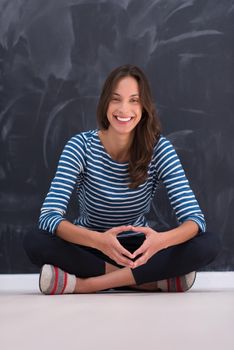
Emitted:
pixel 115 171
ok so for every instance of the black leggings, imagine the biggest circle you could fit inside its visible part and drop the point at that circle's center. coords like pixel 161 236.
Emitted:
pixel 44 248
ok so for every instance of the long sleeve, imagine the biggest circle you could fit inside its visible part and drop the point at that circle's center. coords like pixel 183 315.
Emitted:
pixel 171 173
pixel 70 167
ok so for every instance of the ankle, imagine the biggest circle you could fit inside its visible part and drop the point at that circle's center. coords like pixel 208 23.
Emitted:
pixel 110 268
pixel 84 285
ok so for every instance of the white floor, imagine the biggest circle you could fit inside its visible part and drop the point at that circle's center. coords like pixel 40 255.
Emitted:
pixel 202 318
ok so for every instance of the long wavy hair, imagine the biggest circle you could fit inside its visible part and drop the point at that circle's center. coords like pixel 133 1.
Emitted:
pixel 147 131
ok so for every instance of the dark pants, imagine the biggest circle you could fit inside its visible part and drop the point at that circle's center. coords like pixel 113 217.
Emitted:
pixel 44 248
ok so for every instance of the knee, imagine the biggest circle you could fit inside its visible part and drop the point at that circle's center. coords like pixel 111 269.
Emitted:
pixel 214 244
pixel 208 247
pixel 32 246
pixel 29 242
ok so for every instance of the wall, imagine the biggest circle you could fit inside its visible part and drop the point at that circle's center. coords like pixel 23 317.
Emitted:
pixel 54 57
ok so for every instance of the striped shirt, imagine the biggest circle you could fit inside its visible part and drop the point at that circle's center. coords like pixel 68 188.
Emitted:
pixel 101 184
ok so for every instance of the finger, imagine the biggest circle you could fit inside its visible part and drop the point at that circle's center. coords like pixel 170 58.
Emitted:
pixel 123 251
pixel 138 252
pixel 141 250
pixel 141 261
pixel 125 262
pixel 121 260
pixel 125 254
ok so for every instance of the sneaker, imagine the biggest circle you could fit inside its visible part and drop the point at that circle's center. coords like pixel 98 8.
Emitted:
pixel 53 280
pixel 177 284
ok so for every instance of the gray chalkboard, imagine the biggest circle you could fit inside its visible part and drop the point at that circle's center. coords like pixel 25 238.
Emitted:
pixel 54 57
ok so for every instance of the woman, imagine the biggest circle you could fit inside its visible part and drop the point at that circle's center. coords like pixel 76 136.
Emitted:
pixel 115 171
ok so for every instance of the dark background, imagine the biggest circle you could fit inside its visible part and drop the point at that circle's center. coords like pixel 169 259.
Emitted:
pixel 54 57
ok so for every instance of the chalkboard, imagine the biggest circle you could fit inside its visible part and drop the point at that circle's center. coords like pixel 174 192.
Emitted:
pixel 54 58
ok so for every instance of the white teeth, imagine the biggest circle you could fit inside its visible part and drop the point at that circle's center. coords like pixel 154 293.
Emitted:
pixel 123 119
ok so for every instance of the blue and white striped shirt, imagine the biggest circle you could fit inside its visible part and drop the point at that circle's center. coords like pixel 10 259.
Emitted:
pixel 105 200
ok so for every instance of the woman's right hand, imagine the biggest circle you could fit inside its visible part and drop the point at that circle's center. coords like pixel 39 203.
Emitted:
pixel 110 246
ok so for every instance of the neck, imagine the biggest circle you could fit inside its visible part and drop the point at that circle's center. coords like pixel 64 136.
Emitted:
pixel 116 145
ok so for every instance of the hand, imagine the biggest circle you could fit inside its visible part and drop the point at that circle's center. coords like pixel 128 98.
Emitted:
pixel 111 247
pixel 152 244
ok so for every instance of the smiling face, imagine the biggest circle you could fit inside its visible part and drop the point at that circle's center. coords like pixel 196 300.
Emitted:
pixel 124 110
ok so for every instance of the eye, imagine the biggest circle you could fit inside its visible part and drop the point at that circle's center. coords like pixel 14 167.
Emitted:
pixel 134 100
pixel 115 99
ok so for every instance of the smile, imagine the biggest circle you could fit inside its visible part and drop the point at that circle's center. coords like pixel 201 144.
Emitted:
pixel 123 119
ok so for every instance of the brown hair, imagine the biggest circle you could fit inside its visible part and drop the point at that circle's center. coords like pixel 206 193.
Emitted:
pixel 147 131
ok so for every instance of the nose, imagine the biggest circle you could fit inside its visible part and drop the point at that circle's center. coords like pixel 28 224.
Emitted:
pixel 124 107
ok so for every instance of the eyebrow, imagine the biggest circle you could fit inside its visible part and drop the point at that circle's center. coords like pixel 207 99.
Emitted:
pixel 115 93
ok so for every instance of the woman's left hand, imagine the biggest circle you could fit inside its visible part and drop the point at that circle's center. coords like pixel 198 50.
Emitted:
pixel 153 243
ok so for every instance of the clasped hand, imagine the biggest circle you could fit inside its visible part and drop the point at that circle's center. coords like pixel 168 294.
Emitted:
pixel 111 247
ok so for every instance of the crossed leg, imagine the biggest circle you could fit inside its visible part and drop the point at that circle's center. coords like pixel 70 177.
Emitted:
pixel 113 277
pixel 118 278
pixel 95 274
